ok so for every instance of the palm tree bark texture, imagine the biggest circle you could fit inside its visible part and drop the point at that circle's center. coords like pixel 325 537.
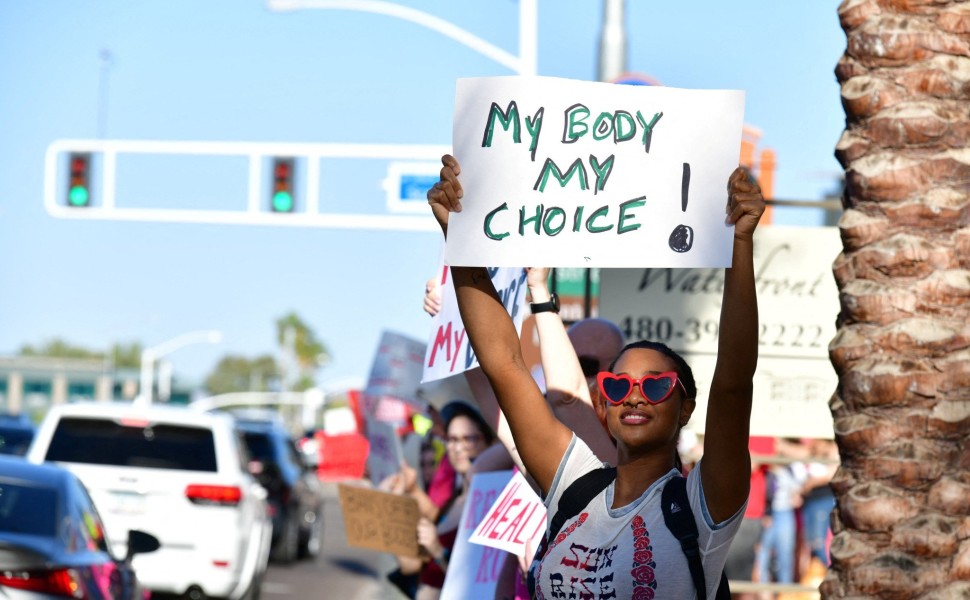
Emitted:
pixel 902 352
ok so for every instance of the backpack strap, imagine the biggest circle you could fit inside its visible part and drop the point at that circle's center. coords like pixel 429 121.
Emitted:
pixel 573 500
pixel 680 521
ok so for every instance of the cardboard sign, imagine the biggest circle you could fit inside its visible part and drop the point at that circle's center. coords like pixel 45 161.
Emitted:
pixel 564 173
pixel 798 303
pixel 516 521
pixel 395 370
pixel 473 569
pixel 448 351
pixel 386 455
pixel 380 520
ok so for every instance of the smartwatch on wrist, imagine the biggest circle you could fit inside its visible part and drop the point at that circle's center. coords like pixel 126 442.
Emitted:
pixel 551 306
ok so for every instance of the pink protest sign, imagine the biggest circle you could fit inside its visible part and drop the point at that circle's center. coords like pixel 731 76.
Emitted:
pixel 516 522
pixel 473 570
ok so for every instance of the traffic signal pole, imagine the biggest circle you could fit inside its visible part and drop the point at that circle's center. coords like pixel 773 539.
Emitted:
pixel 524 62
pixel 253 209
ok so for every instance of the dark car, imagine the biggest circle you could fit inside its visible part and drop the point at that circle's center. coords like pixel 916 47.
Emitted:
pixel 16 433
pixel 295 494
pixel 52 542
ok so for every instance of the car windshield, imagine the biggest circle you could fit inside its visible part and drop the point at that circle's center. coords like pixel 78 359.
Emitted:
pixel 103 442
pixel 26 509
pixel 14 440
pixel 260 446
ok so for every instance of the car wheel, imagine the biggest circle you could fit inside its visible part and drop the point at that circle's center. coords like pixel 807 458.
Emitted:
pixel 288 547
pixel 313 537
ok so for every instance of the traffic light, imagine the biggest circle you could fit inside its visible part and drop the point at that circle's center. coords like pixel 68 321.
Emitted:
pixel 281 194
pixel 79 179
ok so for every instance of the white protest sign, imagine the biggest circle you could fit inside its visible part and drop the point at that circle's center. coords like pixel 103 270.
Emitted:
pixel 448 351
pixel 516 521
pixel 473 570
pixel 564 173
pixel 386 454
pixel 395 370
pixel 798 302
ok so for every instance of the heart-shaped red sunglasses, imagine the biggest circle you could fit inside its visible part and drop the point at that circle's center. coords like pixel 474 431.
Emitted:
pixel 654 388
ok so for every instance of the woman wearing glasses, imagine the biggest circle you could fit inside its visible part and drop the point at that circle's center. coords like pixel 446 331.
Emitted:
pixel 468 435
pixel 618 546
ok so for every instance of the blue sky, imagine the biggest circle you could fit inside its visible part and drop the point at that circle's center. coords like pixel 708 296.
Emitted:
pixel 233 70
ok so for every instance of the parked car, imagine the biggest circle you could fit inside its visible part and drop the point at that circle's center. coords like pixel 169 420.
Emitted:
pixel 16 432
pixel 52 542
pixel 176 473
pixel 295 492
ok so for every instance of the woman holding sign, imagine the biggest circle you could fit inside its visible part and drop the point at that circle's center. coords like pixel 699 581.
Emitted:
pixel 468 435
pixel 619 542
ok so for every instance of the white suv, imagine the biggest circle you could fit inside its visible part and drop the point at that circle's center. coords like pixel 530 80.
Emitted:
pixel 178 474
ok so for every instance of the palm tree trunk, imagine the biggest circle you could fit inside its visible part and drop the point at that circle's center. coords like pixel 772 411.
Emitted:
pixel 902 352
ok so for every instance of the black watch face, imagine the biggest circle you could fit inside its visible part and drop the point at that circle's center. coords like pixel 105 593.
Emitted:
pixel 555 302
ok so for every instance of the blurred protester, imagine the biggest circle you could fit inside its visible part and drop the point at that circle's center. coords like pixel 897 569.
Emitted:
pixel 690 446
pixel 570 361
pixel 742 561
pixel 776 557
pixel 424 446
pixel 818 502
pixel 427 464
pixel 468 436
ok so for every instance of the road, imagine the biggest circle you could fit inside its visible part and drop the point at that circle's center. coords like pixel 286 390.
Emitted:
pixel 340 572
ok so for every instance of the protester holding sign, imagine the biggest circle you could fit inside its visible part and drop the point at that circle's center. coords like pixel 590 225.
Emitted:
pixel 619 543
pixel 570 361
pixel 468 435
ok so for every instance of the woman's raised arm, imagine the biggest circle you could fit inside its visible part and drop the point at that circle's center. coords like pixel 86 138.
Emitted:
pixel 540 438
pixel 726 466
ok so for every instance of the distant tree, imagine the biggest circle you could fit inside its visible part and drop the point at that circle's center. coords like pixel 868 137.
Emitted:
pixel 301 346
pixel 126 356
pixel 58 348
pixel 241 374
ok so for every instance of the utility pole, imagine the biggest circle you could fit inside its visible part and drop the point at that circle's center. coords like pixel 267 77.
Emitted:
pixel 612 52
pixel 611 64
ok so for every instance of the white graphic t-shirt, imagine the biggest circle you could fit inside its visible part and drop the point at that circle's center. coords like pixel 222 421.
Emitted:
pixel 627 552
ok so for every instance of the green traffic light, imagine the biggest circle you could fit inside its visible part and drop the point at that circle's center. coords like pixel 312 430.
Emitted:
pixel 282 201
pixel 78 196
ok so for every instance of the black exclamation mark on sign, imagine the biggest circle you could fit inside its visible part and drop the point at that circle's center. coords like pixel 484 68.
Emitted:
pixel 682 237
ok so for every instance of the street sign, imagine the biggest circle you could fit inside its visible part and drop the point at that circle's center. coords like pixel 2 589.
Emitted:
pixel 407 186
pixel 798 303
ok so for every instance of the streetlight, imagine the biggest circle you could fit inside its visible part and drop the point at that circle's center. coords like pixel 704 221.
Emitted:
pixel 150 355
pixel 523 63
